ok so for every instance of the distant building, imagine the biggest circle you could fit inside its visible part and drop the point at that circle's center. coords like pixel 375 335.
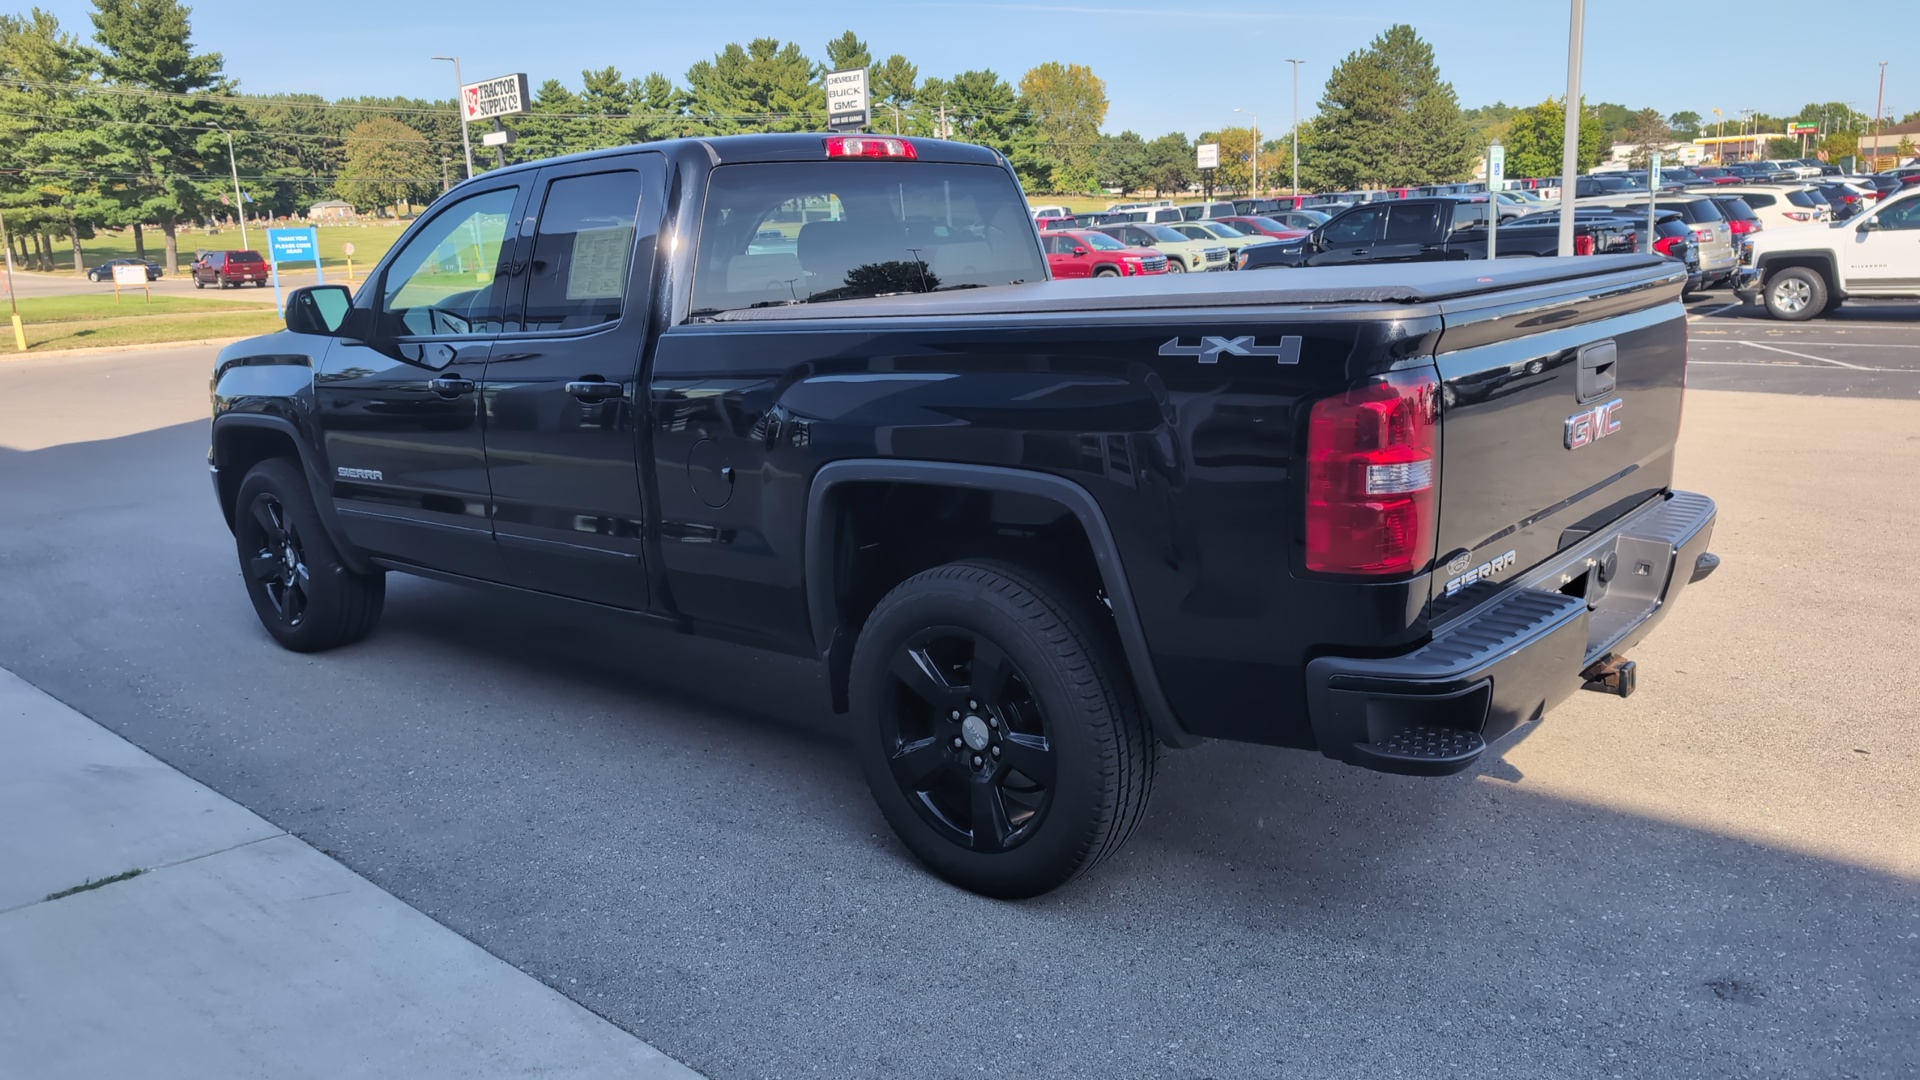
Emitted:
pixel 332 210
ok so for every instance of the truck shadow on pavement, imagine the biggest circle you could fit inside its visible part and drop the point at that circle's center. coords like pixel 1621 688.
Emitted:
pixel 669 830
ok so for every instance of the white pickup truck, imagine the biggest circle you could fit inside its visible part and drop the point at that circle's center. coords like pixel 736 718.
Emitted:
pixel 1809 270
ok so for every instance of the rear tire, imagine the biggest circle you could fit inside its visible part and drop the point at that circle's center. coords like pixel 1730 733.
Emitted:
pixel 197 283
pixel 977 662
pixel 1795 294
pixel 305 596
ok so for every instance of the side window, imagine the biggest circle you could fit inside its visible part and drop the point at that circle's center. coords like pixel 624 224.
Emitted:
pixel 441 283
pixel 1901 216
pixel 1358 227
pixel 1469 216
pixel 582 251
pixel 1757 200
pixel 1413 224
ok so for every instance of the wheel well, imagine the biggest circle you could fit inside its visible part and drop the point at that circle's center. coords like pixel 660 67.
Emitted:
pixel 1819 264
pixel 237 450
pixel 884 532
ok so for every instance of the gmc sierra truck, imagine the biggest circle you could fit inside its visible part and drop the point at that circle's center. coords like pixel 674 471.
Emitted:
pixel 1435 229
pixel 816 394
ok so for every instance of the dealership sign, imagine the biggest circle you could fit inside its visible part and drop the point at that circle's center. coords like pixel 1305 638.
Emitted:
pixel 847 99
pixel 489 98
pixel 1208 155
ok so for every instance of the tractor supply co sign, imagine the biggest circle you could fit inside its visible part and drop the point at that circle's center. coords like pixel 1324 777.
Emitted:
pixel 847 99
pixel 489 98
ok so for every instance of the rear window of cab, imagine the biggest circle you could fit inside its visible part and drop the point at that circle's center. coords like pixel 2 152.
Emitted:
pixel 775 234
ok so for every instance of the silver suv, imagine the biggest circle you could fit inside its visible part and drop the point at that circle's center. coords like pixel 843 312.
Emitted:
pixel 1719 256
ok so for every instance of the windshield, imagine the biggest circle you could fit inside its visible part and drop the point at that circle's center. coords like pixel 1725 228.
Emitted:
pixel 1162 234
pixel 1100 241
pixel 811 231
pixel 1223 230
pixel 1267 223
pixel 1617 183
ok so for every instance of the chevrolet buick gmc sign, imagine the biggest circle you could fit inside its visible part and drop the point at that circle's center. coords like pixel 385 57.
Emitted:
pixel 847 99
pixel 489 98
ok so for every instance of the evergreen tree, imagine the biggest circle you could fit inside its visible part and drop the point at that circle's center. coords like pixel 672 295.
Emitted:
pixel 1650 134
pixel 847 51
pixel 158 146
pixel 894 87
pixel 1170 164
pixel 549 128
pixel 766 86
pixel 51 185
pixel 1386 119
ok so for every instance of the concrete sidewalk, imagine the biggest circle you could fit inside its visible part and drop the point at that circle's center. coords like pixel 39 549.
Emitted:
pixel 238 950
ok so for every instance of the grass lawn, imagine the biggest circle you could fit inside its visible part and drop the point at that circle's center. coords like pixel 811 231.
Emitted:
pixel 370 241
pixel 71 322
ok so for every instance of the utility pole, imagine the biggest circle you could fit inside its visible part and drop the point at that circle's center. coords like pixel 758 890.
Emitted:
pixel 1296 126
pixel 19 335
pixel 446 185
pixel 1879 108
pixel 1570 134
pixel 459 87
pixel 239 200
pixel 1256 151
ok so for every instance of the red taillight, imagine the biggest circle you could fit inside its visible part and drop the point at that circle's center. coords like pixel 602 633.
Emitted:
pixel 1372 462
pixel 1666 244
pixel 1583 245
pixel 1798 215
pixel 1741 226
pixel 866 146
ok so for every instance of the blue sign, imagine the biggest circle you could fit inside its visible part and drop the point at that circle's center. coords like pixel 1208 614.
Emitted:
pixel 295 246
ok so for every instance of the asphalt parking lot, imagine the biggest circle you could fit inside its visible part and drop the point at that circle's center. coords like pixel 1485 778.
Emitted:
pixel 1718 876
pixel 1867 348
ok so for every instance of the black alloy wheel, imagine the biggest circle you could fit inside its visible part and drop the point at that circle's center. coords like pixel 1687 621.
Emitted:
pixel 966 740
pixel 305 596
pixel 278 567
pixel 997 727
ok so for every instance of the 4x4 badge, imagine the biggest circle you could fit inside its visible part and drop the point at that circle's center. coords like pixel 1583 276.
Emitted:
pixel 1210 349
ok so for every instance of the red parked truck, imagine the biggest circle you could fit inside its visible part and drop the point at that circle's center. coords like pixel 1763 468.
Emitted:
pixel 230 269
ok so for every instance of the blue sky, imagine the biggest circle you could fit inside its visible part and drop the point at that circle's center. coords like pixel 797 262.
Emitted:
pixel 1167 66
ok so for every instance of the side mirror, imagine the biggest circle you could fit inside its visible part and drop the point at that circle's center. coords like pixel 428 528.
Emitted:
pixel 1079 250
pixel 318 309
pixel 1870 225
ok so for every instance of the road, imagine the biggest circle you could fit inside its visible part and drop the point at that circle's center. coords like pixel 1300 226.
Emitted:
pixel 1868 348
pixel 28 285
pixel 1718 876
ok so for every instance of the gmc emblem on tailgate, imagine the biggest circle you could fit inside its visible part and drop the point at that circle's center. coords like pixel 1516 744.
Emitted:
pixel 1593 424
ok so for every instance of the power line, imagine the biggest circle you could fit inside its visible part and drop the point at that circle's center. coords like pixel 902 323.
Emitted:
pixel 87 120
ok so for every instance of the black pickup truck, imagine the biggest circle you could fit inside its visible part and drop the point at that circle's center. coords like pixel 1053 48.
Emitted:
pixel 1434 229
pixel 815 394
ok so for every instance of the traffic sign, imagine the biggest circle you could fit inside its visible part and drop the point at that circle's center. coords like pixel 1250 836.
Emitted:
pixel 1208 155
pixel 489 98
pixel 847 99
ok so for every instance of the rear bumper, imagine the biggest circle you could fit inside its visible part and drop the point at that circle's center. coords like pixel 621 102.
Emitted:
pixel 1509 659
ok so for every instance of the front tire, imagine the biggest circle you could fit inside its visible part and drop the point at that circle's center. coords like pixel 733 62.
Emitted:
pixel 997 729
pixel 305 596
pixel 1796 294
pixel 1175 266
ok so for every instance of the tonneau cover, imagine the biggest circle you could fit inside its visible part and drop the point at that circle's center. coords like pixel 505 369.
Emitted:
pixel 1381 283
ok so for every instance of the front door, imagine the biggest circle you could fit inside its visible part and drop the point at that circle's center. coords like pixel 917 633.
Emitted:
pixel 561 387
pixel 1350 237
pixel 399 413
pixel 1885 252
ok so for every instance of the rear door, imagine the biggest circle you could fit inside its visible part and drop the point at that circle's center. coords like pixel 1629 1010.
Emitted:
pixel 1413 232
pixel 561 386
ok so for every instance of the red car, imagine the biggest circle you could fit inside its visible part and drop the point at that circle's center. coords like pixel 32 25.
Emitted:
pixel 1076 254
pixel 1048 224
pixel 1262 226
pixel 230 269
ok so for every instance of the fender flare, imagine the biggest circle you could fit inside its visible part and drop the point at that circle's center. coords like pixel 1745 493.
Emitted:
pixel 1826 262
pixel 832 638
pixel 317 485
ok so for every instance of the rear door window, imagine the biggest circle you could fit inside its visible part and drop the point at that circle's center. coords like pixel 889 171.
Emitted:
pixel 815 231
pixel 583 251
pixel 1413 224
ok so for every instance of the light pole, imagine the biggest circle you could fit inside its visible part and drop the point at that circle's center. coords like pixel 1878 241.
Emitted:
pixel 1570 133
pixel 1719 129
pixel 1296 126
pixel 1256 150
pixel 239 202
pixel 1880 107
pixel 459 86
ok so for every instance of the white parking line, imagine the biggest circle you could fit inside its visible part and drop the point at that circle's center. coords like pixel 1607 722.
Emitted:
pixel 1715 311
pixel 1830 344
pixel 1803 367
pixel 1808 356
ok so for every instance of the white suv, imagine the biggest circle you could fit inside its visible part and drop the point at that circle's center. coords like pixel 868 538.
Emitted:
pixel 1779 206
pixel 1809 270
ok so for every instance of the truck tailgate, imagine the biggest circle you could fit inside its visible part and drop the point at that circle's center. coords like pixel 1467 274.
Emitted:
pixel 1559 414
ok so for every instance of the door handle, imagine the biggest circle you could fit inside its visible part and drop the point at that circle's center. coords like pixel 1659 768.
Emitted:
pixel 450 385
pixel 595 389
